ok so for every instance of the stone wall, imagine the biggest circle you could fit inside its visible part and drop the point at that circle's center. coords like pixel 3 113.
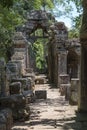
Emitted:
pixel 17 81
pixel 4 80
pixel 56 52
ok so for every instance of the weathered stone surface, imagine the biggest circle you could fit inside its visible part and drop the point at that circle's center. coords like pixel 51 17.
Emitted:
pixel 29 95
pixel 6 119
pixel 57 54
pixel 65 90
pixel 13 101
pixel 19 66
pixel 74 91
pixel 15 88
pixel 26 83
pixel 3 119
pixel 29 70
pixel 23 113
pixel 32 75
pixel 9 118
pixel 39 80
pixel 18 104
pixel 2 126
pixel 64 79
pixel 41 94
pixel 13 70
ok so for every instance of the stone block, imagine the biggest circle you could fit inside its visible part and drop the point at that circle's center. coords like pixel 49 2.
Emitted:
pixel 39 81
pixel 41 94
pixel 25 83
pixel 9 119
pixel 14 101
pixel 18 104
pixel 32 83
pixel 65 90
pixel 12 68
pixel 22 113
pixel 64 79
pixel 73 100
pixel 15 88
pixel 18 63
pixel 29 95
pixel 2 126
pixel 3 119
pixel 29 70
pixel 31 75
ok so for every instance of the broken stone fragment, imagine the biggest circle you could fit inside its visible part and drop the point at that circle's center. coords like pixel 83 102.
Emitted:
pixel 16 103
pixel 15 88
pixel 6 119
pixel 41 94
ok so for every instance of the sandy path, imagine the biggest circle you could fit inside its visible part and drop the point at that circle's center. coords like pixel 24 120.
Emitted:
pixel 52 113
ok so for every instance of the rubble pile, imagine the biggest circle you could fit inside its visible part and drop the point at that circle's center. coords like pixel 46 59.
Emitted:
pixel 6 119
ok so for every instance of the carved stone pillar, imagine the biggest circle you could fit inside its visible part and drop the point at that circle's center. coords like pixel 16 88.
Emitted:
pixel 82 104
pixel 62 64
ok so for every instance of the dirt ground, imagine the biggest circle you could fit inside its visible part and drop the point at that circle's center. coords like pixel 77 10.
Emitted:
pixel 52 113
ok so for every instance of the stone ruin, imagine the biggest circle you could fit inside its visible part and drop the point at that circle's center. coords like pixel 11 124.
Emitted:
pixel 36 19
pixel 16 85
pixel 17 79
pixel 60 49
pixel 64 62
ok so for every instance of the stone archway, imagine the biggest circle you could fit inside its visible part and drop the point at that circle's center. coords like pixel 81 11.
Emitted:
pixel 36 20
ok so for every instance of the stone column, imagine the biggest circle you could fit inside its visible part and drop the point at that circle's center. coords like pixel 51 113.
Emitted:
pixel 62 64
pixel 62 61
pixel 82 104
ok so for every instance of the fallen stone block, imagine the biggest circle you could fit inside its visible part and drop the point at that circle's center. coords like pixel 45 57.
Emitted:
pixel 29 95
pixel 15 88
pixel 26 83
pixel 21 114
pixel 18 104
pixel 13 101
pixel 39 81
pixel 9 119
pixel 41 94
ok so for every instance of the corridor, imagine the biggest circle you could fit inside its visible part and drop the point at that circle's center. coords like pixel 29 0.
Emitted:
pixel 52 113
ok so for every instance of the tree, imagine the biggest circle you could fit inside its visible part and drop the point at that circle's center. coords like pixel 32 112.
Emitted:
pixel 12 14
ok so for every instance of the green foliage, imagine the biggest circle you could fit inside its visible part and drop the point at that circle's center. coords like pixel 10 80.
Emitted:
pixel 13 13
pixel 9 19
pixel 6 3
pixel 38 49
pixel 73 33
